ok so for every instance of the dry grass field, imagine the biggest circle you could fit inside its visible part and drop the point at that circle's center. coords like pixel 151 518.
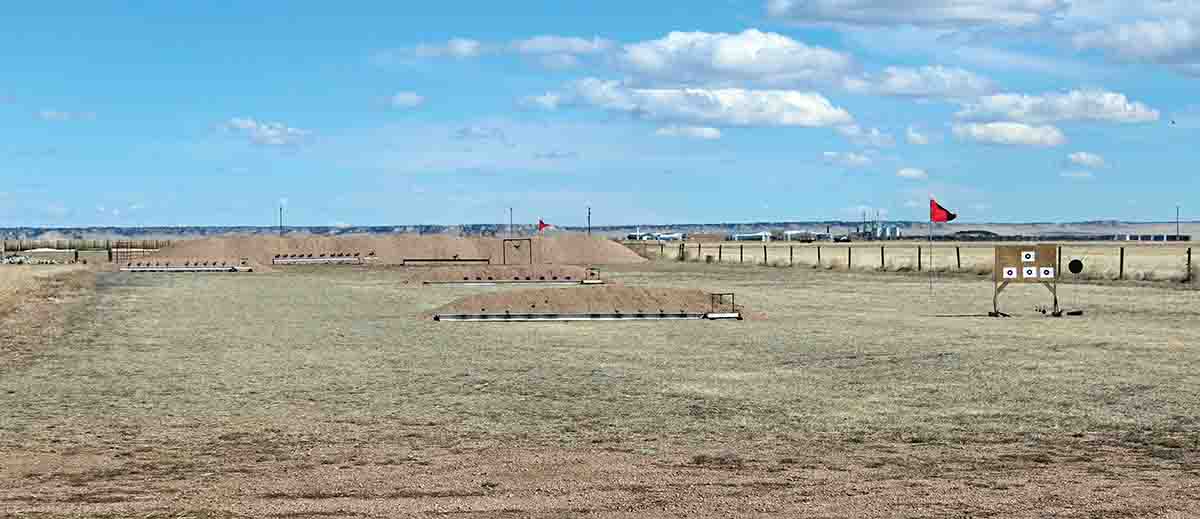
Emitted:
pixel 1102 260
pixel 320 393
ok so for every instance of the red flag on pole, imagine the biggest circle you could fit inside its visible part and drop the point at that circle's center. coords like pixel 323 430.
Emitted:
pixel 543 225
pixel 937 213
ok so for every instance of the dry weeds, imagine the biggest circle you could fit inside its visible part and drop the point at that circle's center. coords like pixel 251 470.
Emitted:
pixel 292 395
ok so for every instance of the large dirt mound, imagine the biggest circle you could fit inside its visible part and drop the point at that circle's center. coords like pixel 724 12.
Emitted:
pixel 597 299
pixel 565 249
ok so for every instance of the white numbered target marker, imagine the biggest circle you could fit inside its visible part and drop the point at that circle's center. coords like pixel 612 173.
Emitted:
pixel 1030 272
pixel 1010 273
pixel 1047 272
pixel 1029 256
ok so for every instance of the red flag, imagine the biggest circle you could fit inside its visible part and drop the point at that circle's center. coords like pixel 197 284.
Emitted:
pixel 543 225
pixel 937 213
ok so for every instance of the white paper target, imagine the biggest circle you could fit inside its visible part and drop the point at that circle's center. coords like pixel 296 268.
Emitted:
pixel 1030 272
pixel 1029 256
pixel 1047 272
pixel 1010 273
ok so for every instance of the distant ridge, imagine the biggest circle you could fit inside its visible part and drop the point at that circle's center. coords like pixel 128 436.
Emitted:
pixel 910 228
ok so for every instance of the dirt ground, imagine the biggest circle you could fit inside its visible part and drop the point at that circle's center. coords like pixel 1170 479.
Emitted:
pixel 325 394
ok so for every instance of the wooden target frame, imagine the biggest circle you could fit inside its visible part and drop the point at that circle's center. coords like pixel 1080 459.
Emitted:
pixel 516 243
pixel 1025 264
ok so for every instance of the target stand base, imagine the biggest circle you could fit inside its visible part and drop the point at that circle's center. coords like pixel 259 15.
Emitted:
pixel 998 314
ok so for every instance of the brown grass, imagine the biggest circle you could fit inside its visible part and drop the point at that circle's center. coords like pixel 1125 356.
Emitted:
pixel 326 393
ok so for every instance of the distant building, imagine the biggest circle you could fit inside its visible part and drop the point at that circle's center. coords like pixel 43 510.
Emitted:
pixel 755 236
pixel 806 236
pixel 1154 237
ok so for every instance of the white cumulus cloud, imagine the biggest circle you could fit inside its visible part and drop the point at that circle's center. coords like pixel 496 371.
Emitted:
pixel 1163 40
pixel 267 133
pixel 933 81
pixel 1076 105
pixel 930 13
pixel 1087 160
pixel 1011 133
pixel 1077 174
pixel 752 55
pixel 548 101
pixel 460 48
pixel 691 132
pixel 912 174
pixel 708 107
pixel 551 44
pixel 867 137
pixel 406 100
pixel 847 159
pixel 915 137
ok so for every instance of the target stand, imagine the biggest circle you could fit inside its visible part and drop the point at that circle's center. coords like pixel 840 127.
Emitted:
pixel 1027 264
pixel 515 250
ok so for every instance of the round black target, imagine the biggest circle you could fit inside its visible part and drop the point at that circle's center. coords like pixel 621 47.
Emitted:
pixel 1075 266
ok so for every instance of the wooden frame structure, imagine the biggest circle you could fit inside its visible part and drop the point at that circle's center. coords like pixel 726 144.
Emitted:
pixel 517 243
pixel 1025 264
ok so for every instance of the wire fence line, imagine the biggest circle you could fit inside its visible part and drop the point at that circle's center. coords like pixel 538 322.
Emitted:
pixel 1102 260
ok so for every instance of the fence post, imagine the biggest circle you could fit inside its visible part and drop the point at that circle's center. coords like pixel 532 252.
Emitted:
pixel 818 255
pixel 720 250
pixel 699 250
pixel 662 249
pixel 918 258
pixel 741 253
pixel 1121 268
pixel 1188 278
pixel 849 257
pixel 882 263
pixel 958 256
pixel 1058 268
pixel 791 255
pixel 765 262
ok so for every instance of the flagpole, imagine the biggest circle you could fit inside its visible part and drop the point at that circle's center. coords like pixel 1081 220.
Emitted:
pixel 931 253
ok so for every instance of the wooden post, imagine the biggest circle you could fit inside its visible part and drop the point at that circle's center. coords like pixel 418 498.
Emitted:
pixel 791 255
pixel 958 256
pixel 741 253
pixel 1121 268
pixel 882 263
pixel 818 255
pixel 765 262
pixel 662 249
pixel 849 257
pixel 918 258
pixel 720 250
pixel 699 250
pixel 1059 269
pixel 1188 278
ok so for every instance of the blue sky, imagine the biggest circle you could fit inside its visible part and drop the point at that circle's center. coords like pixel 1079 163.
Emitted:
pixel 376 113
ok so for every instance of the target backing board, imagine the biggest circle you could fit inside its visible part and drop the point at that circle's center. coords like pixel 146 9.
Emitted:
pixel 1027 263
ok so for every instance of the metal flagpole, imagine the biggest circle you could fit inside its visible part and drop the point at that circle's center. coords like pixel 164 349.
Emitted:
pixel 931 253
